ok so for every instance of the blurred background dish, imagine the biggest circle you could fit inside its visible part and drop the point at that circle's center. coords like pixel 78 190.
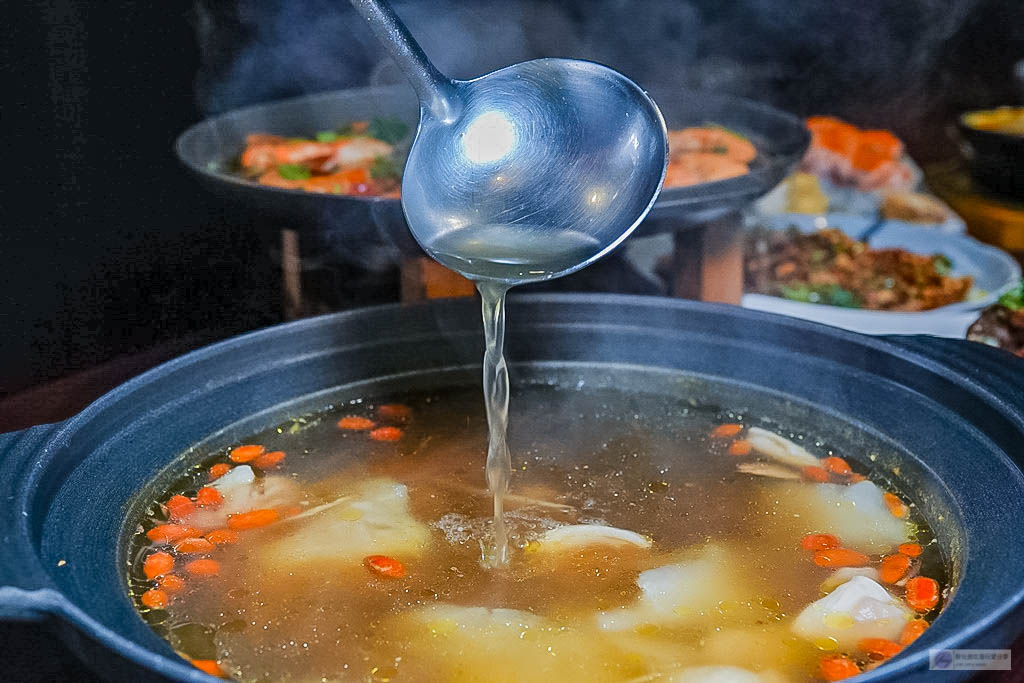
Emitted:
pixel 367 229
pixel 992 270
pixel 994 148
pixel 854 225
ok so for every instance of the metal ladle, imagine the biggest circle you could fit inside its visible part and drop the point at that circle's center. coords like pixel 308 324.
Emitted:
pixel 527 173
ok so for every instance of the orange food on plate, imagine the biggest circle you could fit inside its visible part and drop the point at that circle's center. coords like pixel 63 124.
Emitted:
pixel 833 134
pixel 155 599
pixel 169 583
pixel 874 148
pixel 922 593
pixel 179 506
pixel 705 154
pixel 157 565
pixel 848 156
pixel 386 434
pixel 726 430
pixel 357 159
pixel 838 668
pixel 246 453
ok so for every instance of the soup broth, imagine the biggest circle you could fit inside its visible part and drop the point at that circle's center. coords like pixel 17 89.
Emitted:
pixel 650 537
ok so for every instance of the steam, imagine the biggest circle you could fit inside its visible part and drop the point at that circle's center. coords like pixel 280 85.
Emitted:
pixel 866 60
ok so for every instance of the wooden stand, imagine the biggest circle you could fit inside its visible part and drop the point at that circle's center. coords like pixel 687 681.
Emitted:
pixel 707 262
pixel 291 275
pixel 706 265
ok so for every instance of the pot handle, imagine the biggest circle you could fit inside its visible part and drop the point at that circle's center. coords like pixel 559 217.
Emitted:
pixel 26 591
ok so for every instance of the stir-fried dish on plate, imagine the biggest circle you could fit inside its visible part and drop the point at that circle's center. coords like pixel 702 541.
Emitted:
pixel 362 158
pixel 830 267
pixel 357 159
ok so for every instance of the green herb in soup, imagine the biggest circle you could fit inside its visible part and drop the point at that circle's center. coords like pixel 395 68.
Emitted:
pixel 650 538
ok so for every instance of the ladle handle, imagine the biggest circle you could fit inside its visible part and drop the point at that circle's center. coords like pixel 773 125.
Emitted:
pixel 435 90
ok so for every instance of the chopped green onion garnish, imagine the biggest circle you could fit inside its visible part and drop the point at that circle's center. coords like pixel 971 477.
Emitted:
pixel 294 171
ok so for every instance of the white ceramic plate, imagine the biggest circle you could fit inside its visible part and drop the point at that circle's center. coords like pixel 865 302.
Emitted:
pixel 853 224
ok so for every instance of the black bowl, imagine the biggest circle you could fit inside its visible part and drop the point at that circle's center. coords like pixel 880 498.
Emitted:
pixel 996 160
pixel 949 413
pixel 371 231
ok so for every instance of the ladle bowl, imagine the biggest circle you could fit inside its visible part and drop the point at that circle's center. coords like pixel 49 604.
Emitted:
pixel 530 172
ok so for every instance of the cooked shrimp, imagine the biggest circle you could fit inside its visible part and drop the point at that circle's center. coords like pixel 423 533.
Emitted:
pixel 711 140
pixel 342 182
pixel 702 167
pixel 319 156
pixel 357 151
pixel 259 151
pixel 262 155
pixel 356 159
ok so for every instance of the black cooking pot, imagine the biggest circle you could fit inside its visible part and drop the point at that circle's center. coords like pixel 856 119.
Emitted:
pixel 952 414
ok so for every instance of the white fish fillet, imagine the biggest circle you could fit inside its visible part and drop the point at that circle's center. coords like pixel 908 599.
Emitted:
pixel 481 645
pixel 375 521
pixel 779 448
pixel 844 574
pixel 677 593
pixel 858 609
pixel 573 536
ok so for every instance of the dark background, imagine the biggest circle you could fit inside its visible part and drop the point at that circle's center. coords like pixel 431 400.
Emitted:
pixel 111 249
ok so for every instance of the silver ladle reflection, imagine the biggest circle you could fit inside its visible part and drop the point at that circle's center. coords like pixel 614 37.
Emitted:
pixel 527 173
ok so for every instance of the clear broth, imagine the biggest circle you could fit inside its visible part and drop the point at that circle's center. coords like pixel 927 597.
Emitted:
pixel 643 462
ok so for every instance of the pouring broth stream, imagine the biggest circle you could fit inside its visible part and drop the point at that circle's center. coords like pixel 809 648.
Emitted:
pixel 497 258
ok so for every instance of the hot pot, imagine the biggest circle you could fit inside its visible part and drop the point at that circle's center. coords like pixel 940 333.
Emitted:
pixel 954 411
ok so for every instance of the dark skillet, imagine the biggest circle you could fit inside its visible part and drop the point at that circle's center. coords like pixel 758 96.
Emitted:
pixel 375 227
pixel 949 414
